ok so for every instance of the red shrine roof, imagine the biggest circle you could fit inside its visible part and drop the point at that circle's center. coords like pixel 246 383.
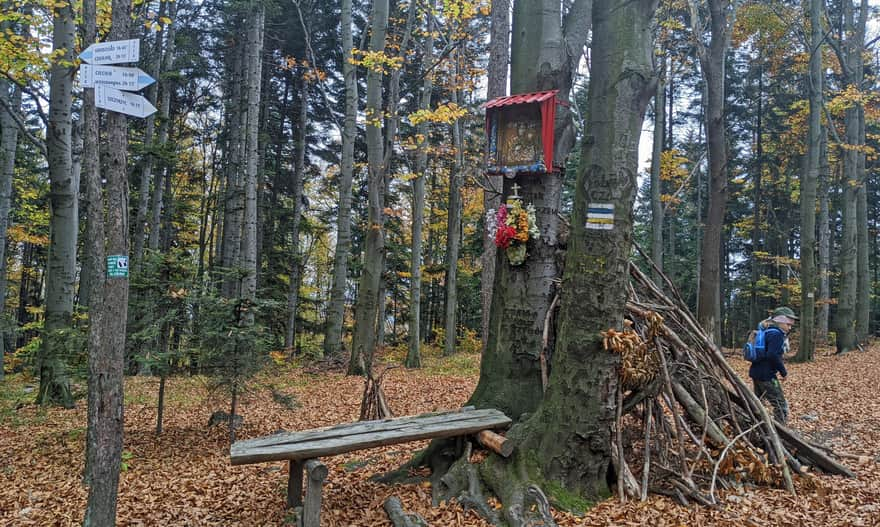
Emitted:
pixel 520 98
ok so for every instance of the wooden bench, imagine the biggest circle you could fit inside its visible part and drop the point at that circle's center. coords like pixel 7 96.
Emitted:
pixel 302 449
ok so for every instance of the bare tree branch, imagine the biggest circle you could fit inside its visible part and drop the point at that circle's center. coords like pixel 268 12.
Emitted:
pixel 16 116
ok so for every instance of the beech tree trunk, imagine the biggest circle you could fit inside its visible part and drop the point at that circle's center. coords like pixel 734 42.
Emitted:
pixel 863 272
pixel 297 186
pixel 824 241
pixel 809 183
pixel 543 55
pixel 107 327
pixel 414 357
pixel 853 68
pixel 570 434
pixel 499 60
pixel 336 308
pixel 367 311
pixel 656 190
pixel 453 232
pixel 64 221
pixel 8 143
pixel 721 21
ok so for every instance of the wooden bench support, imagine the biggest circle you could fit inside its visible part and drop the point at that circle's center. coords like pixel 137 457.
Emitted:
pixel 317 473
pixel 295 484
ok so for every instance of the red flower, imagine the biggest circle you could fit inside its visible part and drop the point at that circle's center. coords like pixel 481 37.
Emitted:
pixel 504 236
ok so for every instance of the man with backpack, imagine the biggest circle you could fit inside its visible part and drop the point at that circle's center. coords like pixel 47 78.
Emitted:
pixel 765 350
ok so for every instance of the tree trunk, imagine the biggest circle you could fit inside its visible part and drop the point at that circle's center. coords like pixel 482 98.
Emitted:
pixel 824 241
pixel 712 65
pixel 453 231
pixel 158 203
pixel 8 142
pixel 64 222
pixel 499 59
pixel 107 328
pixel 570 435
pixel 233 205
pixel 864 287
pixel 656 190
pixel 542 56
pixel 414 357
pixel 847 314
pixel 150 158
pixel 364 340
pixel 297 186
pixel 93 244
pixel 256 17
pixel 809 182
pixel 336 309
pixel 755 315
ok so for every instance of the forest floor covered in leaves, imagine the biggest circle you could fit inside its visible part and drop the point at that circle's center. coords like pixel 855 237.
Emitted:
pixel 183 477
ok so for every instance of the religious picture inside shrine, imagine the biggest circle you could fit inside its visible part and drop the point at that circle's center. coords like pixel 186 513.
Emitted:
pixel 519 136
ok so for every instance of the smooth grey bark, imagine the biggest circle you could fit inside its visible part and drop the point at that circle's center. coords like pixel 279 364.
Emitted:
pixel 336 308
pixel 107 327
pixel 496 86
pixel 863 272
pixel 853 69
pixel 64 221
pixel 543 56
pixel 8 143
pixel 256 17
pixel 453 231
pixel 570 434
pixel 93 245
pixel 656 190
pixel 809 184
pixel 824 240
pixel 413 356
pixel 297 186
pixel 722 16
pixel 366 312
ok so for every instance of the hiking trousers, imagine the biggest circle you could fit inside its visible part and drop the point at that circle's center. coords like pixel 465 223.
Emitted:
pixel 771 391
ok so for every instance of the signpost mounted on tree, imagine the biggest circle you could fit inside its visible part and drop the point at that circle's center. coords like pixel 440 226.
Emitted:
pixel 112 83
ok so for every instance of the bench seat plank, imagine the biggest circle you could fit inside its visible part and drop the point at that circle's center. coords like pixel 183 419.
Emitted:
pixel 367 434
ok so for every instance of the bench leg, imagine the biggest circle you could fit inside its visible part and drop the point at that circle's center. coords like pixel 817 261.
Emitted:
pixel 317 473
pixel 295 484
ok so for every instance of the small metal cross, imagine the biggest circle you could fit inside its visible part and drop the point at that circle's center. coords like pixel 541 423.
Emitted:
pixel 515 189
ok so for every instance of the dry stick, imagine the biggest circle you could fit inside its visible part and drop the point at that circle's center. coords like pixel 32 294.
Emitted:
pixel 546 343
pixel 721 458
pixel 697 413
pixel 670 401
pixel 647 466
pixel 620 458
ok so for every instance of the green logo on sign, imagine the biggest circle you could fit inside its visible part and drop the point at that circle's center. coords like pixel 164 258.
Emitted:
pixel 117 266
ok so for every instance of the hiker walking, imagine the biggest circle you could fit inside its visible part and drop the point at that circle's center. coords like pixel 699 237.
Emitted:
pixel 763 370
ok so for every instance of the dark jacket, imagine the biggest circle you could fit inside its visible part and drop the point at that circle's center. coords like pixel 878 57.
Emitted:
pixel 766 368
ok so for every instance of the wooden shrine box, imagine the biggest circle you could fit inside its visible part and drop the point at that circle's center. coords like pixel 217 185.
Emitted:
pixel 520 131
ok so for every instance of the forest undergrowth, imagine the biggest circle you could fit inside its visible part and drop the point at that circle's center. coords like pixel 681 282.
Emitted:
pixel 183 477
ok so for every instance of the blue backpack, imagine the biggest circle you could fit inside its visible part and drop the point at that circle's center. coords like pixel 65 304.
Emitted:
pixel 755 348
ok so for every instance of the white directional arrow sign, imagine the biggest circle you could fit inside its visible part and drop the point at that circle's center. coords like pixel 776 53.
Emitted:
pixel 122 102
pixel 130 79
pixel 112 52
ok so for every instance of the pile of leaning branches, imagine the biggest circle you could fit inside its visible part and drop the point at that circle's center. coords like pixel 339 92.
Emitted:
pixel 687 423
